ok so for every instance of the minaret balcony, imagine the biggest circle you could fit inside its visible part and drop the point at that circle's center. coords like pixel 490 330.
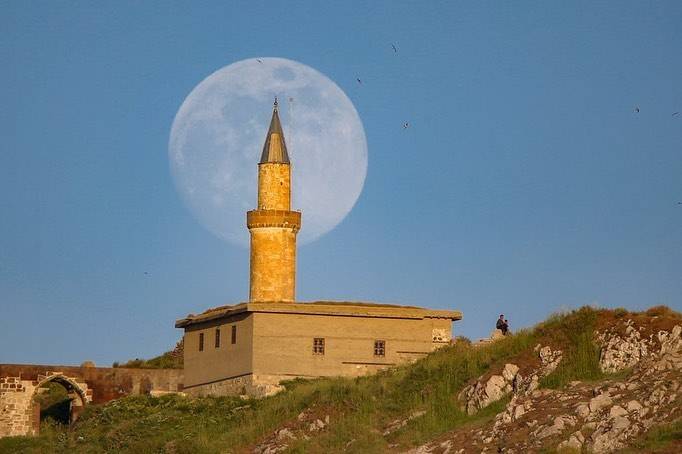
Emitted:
pixel 273 218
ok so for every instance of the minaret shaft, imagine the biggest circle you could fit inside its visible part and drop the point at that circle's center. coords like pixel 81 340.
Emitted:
pixel 273 226
pixel 274 186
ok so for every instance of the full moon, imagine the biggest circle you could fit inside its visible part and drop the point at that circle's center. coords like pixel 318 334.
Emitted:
pixel 218 134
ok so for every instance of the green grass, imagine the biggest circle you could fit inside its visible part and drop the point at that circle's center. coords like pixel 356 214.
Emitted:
pixel 581 355
pixel 660 439
pixel 359 408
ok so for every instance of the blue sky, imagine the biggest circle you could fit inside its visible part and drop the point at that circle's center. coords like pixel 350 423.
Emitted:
pixel 525 184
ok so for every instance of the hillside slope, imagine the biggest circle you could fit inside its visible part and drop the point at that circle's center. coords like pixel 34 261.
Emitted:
pixel 593 380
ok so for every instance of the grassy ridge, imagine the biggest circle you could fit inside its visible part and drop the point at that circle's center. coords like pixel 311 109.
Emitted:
pixel 581 355
pixel 359 408
pixel 172 359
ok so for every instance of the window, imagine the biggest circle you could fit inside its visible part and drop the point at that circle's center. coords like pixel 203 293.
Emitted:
pixel 318 346
pixel 217 338
pixel 234 334
pixel 379 348
pixel 201 342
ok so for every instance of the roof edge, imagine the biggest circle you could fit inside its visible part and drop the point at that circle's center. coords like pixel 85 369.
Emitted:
pixel 331 308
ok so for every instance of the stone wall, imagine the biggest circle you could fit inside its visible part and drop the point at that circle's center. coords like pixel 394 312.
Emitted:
pixel 107 383
pixel 248 384
pixel 20 415
pixel 15 414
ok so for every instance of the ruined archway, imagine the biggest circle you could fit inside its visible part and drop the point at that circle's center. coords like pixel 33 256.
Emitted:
pixel 77 393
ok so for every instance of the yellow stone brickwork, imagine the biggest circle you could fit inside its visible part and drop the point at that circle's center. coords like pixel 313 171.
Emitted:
pixel 273 264
pixel 276 342
pixel 273 228
pixel 274 186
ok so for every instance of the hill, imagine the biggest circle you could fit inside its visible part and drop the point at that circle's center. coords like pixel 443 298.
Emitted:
pixel 592 379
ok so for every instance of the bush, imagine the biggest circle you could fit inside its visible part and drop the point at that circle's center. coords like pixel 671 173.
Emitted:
pixel 620 312
pixel 659 311
pixel 172 359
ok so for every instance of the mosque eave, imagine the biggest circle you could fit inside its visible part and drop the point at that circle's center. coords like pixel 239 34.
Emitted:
pixel 325 308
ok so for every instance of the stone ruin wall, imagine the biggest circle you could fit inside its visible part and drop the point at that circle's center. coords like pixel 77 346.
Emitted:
pixel 18 384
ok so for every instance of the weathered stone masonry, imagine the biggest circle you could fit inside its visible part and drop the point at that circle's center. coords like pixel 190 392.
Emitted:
pixel 20 414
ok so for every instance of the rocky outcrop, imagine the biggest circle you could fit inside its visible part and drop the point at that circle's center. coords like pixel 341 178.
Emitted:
pixel 581 417
pixel 486 391
pixel 307 424
pixel 619 352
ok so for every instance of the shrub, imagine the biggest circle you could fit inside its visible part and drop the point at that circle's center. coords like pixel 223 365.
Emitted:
pixel 620 312
pixel 659 311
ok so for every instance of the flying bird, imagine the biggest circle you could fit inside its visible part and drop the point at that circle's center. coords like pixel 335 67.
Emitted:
pixel 676 113
pixel 406 125
pixel 394 48
pixel 636 109
pixel 359 81
pixel 259 60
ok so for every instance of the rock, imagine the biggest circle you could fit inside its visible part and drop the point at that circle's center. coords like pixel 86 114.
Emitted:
pixel 671 342
pixel 481 395
pixel 519 411
pixel 589 426
pixel 509 372
pixel 579 436
pixel 400 423
pixel 610 435
pixel 549 359
pixel 633 405
pixel 565 421
pixel 285 434
pixel 618 353
pixel 316 425
pixel 494 388
pixel 617 410
pixel 446 446
pixel 574 442
pixel 620 423
pixel 599 402
pixel 582 410
pixel 534 383
pixel 560 423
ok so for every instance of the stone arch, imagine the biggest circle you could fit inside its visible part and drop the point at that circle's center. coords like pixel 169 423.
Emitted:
pixel 78 390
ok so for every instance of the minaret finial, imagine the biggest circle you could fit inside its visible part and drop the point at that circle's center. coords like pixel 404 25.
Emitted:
pixel 275 148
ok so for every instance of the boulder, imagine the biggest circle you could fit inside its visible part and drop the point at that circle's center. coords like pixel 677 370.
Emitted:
pixel 599 402
pixel 617 410
pixel 633 405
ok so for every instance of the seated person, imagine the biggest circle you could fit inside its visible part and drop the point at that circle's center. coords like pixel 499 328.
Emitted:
pixel 502 324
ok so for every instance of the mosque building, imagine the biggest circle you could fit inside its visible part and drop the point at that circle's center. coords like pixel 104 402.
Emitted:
pixel 249 348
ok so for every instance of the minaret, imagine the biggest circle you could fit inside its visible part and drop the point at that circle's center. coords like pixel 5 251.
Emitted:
pixel 273 226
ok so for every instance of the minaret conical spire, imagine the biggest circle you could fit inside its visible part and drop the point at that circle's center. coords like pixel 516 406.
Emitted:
pixel 275 148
